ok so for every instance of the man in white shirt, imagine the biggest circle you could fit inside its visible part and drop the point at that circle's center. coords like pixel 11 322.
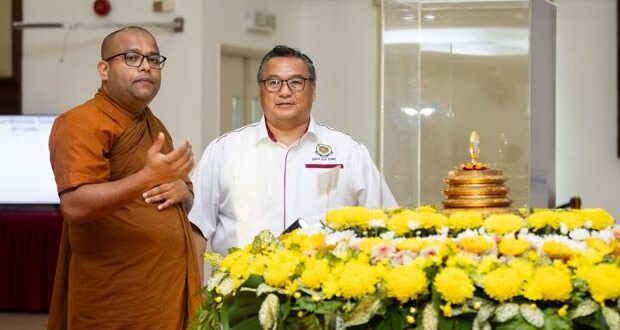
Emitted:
pixel 268 174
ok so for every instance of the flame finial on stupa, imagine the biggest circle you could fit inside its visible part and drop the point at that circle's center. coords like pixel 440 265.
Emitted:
pixel 474 147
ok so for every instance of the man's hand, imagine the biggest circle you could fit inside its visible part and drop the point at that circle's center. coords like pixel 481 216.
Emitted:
pixel 167 194
pixel 165 168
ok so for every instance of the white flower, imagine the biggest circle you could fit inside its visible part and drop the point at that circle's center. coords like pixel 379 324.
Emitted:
pixel 382 251
pixel 354 242
pixel 388 235
pixel 588 224
pixel 563 229
pixel 413 225
pixel 404 257
pixel 579 234
pixel 335 237
pixel 606 235
pixel 376 223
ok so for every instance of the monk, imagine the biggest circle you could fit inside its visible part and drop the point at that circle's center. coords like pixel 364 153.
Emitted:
pixel 127 258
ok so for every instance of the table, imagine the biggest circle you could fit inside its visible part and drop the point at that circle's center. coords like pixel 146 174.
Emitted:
pixel 29 241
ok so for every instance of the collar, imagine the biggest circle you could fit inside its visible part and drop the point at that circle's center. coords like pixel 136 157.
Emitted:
pixel 265 134
pixel 113 109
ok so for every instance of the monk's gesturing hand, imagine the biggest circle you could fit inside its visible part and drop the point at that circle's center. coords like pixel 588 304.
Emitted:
pixel 167 194
pixel 165 168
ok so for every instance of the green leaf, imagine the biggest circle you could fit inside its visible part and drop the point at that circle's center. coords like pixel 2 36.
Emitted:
pixel 310 322
pixel 533 315
pixel 553 321
pixel 327 306
pixel 611 317
pixel 213 258
pixel 515 323
pixel 268 313
pixel 227 285
pixel 242 306
pixel 484 313
pixel 364 310
pixel 305 303
pixel 462 322
pixel 215 280
pixel 430 317
pixel 248 324
pixel 595 320
pixel 262 241
pixel 253 281
pixel 266 288
pixel 505 312
pixel 585 308
pixel 392 320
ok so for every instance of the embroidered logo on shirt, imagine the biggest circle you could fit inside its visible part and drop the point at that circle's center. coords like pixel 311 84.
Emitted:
pixel 323 150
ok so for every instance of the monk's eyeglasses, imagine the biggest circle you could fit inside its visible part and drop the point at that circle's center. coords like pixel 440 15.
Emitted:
pixel 134 59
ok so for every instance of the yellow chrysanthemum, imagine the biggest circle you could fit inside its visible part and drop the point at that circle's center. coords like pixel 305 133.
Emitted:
pixel 464 219
pixel 433 220
pixel 425 209
pixel 462 260
pixel 599 245
pixel 524 267
pixel 570 219
pixel 236 264
pixel 549 283
pixel 410 244
pixel 503 283
pixel 315 272
pixel 503 223
pixel 603 282
pixel 330 286
pixel 589 257
pixel 280 267
pixel 557 250
pixel 487 263
pixel 599 218
pixel 510 246
pixel 357 279
pixel 405 283
pixel 454 285
pixel 303 241
pixel 399 223
pixel 538 220
pixel 369 243
pixel 257 266
pixel 354 216
pixel 476 244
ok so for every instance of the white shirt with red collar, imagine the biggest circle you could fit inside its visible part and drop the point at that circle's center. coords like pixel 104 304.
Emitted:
pixel 246 182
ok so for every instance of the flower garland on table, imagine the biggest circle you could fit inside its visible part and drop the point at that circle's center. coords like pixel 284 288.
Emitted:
pixel 406 269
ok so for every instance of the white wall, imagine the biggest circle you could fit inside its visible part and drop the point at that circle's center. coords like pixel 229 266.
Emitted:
pixel 52 86
pixel 224 24
pixel 341 37
pixel 587 104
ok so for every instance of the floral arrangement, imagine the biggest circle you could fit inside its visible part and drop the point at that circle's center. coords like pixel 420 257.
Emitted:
pixel 421 269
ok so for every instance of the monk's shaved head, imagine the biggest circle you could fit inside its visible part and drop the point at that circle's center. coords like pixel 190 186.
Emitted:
pixel 107 46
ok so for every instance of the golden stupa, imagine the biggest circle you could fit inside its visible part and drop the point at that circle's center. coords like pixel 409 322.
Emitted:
pixel 476 185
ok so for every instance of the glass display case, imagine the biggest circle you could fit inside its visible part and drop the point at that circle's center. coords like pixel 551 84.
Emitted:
pixel 450 68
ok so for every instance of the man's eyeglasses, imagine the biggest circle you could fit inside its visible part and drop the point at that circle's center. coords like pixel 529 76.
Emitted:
pixel 296 84
pixel 134 59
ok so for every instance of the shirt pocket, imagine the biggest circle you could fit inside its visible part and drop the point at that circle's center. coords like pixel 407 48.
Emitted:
pixel 327 177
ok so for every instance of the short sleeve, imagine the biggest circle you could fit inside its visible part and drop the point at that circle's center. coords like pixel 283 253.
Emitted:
pixel 79 145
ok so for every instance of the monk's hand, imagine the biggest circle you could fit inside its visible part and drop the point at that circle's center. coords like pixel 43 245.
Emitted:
pixel 167 194
pixel 163 168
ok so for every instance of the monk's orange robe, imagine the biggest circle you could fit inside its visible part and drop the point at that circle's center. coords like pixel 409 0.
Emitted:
pixel 133 269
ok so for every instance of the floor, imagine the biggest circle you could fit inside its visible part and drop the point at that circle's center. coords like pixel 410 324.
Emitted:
pixel 23 321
